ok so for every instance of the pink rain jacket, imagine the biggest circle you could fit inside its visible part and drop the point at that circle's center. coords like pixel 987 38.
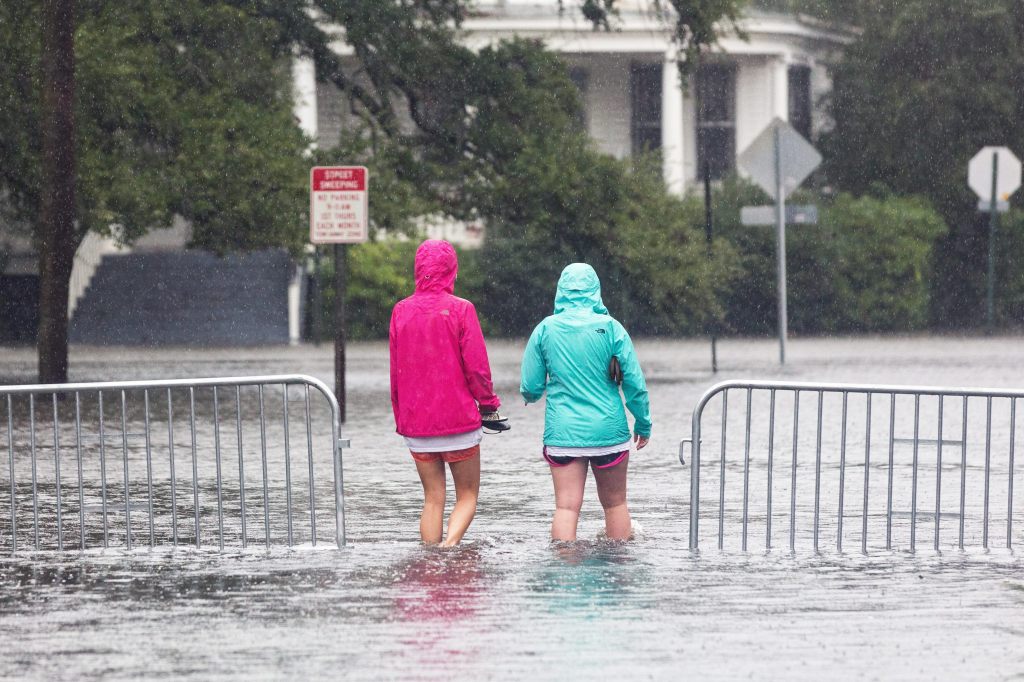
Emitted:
pixel 439 368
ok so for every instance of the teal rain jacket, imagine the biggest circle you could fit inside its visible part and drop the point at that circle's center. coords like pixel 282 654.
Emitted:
pixel 568 355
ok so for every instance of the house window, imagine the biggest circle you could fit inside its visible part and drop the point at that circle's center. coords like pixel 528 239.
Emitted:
pixel 716 119
pixel 580 78
pixel 800 99
pixel 645 92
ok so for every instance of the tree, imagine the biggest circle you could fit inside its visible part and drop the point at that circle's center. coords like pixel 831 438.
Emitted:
pixel 183 107
pixel 57 202
pixel 923 89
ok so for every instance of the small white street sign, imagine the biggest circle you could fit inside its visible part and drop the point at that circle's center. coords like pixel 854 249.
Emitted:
pixel 1007 167
pixel 765 215
pixel 986 206
pixel 338 205
pixel 798 158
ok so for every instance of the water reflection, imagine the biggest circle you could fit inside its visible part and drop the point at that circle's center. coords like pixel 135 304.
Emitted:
pixel 442 585
pixel 584 574
pixel 508 605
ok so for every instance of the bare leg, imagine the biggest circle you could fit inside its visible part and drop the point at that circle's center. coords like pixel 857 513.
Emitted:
pixel 611 490
pixel 432 518
pixel 569 481
pixel 467 488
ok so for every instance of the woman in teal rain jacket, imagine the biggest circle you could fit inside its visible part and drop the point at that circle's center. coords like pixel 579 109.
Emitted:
pixel 570 356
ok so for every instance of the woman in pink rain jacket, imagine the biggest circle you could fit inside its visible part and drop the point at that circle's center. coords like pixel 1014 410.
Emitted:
pixel 440 386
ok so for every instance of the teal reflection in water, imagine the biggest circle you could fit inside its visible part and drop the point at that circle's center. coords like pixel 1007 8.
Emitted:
pixel 590 577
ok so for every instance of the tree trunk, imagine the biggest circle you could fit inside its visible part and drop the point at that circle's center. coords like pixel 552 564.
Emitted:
pixel 56 236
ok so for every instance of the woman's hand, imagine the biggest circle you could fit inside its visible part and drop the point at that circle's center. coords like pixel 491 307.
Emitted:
pixel 641 441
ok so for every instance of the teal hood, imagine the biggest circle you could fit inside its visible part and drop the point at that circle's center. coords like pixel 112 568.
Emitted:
pixel 579 287
pixel 567 359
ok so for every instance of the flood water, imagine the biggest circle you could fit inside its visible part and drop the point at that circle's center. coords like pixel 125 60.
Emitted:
pixel 508 604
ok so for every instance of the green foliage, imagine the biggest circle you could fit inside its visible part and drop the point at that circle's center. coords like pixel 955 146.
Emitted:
pixel 550 199
pixel 865 267
pixel 696 24
pixel 379 275
pixel 1009 297
pixel 884 253
pixel 182 108
pixel 924 88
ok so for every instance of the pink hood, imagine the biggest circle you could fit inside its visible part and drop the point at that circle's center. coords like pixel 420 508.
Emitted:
pixel 436 266
pixel 440 376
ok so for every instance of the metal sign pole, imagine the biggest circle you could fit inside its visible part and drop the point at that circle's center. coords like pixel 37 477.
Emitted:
pixel 709 233
pixel 318 299
pixel 339 326
pixel 993 220
pixel 780 227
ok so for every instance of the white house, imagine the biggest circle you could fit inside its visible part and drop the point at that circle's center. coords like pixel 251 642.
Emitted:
pixel 634 100
pixel 628 77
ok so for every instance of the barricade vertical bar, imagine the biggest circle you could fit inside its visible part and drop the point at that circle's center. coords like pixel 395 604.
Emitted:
pixel 149 465
pixel 216 449
pixel 1010 482
pixel 938 478
pixel 56 472
pixel 963 473
pixel 195 457
pixel 241 465
pixel 867 473
pixel 695 436
pixel 771 451
pixel 792 485
pixel 1009 489
pixel 888 491
pixel 913 474
pixel 817 474
pixel 10 457
pixel 263 450
pixel 81 485
pixel 746 471
pixel 988 459
pixel 32 446
pixel 127 495
pixel 287 465
pixel 721 476
pixel 842 477
pixel 103 469
pixel 339 483
pixel 170 456
pixel 309 455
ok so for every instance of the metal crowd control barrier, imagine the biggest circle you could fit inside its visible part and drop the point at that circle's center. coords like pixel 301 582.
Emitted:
pixel 76 419
pixel 771 418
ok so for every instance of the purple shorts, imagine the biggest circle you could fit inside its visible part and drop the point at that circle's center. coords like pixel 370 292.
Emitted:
pixel 599 462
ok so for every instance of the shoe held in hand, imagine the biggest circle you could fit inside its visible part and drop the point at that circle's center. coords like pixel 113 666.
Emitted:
pixel 494 422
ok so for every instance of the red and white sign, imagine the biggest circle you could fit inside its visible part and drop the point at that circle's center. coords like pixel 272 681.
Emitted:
pixel 339 205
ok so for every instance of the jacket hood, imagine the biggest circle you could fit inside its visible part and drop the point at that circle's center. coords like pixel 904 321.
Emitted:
pixel 436 266
pixel 579 287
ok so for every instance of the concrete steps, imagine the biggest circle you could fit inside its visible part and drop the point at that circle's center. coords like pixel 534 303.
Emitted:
pixel 185 299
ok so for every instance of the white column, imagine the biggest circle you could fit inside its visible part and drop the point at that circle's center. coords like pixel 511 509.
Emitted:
pixel 780 88
pixel 304 93
pixel 295 307
pixel 672 136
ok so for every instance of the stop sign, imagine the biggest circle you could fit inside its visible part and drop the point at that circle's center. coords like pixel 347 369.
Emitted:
pixel 979 173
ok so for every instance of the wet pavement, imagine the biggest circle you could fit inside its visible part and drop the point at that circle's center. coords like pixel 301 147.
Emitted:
pixel 507 604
